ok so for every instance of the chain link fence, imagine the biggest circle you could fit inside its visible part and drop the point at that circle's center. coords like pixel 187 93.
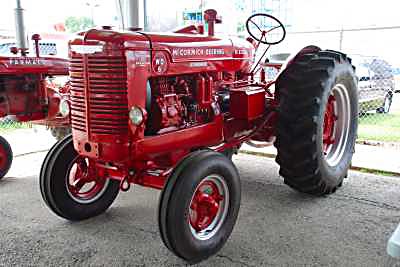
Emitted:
pixel 379 107
pixel 377 65
pixel 8 124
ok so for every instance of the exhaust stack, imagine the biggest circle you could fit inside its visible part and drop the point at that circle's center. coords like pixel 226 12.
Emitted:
pixel 131 13
pixel 22 41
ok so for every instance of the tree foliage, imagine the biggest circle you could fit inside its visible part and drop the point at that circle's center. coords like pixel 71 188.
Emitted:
pixel 76 24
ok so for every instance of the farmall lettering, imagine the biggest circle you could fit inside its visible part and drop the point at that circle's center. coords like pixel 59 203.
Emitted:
pixel 25 61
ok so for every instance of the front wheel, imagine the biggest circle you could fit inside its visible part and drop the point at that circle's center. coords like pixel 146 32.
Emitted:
pixel 70 187
pixel 6 157
pixel 317 122
pixel 199 205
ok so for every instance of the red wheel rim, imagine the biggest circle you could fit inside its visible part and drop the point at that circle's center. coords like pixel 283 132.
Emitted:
pixel 3 158
pixel 83 185
pixel 205 205
pixel 330 119
pixel 208 207
pixel 337 124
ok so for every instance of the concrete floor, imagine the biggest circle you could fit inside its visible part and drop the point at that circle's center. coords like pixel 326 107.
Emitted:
pixel 276 225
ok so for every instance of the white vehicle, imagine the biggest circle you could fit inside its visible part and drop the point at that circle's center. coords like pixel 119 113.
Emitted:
pixel 49 45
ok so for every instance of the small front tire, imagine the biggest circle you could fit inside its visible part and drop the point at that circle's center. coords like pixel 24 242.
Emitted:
pixel 202 200
pixel 68 190
pixel 6 157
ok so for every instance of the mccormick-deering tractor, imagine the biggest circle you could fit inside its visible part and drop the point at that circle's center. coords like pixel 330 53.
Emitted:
pixel 167 110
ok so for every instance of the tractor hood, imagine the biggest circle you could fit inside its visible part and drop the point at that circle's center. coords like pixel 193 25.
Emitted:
pixel 181 47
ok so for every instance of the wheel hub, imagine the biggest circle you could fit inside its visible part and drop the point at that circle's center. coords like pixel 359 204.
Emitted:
pixel 82 182
pixel 208 207
pixel 3 158
pixel 329 123
pixel 205 206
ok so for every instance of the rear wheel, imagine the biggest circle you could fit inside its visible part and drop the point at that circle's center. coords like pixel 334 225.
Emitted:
pixel 317 121
pixel 6 157
pixel 70 187
pixel 201 199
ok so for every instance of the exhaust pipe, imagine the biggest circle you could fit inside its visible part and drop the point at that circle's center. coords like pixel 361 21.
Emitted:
pixel 22 40
pixel 131 13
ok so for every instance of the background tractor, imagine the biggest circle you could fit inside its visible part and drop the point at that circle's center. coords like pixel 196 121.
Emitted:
pixel 168 110
pixel 27 92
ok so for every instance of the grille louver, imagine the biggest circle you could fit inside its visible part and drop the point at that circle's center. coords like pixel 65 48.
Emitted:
pixel 107 94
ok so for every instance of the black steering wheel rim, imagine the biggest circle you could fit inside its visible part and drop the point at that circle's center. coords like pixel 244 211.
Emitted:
pixel 260 39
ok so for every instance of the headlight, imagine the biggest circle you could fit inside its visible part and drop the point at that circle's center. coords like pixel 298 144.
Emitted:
pixel 64 108
pixel 136 116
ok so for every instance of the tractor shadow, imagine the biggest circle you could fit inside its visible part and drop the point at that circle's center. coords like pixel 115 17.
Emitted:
pixel 8 180
pixel 131 213
pixel 13 180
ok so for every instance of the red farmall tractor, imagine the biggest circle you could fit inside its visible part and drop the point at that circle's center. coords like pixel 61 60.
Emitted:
pixel 28 95
pixel 167 110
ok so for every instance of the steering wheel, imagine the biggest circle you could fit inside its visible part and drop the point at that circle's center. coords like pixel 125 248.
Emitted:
pixel 261 18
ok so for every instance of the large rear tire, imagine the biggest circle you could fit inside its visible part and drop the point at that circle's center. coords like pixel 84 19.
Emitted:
pixel 317 123
pixel 69 189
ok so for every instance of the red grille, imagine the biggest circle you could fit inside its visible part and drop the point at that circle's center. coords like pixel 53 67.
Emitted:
pixel 106 96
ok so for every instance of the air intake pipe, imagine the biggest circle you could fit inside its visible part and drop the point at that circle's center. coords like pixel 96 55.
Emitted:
pixel 21 37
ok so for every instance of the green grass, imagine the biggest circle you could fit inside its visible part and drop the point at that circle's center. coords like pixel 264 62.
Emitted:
pixel 377 172
pixel 379 127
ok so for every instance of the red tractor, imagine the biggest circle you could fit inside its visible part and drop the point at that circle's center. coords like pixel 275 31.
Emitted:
pixel 28 95
pixel 168 110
